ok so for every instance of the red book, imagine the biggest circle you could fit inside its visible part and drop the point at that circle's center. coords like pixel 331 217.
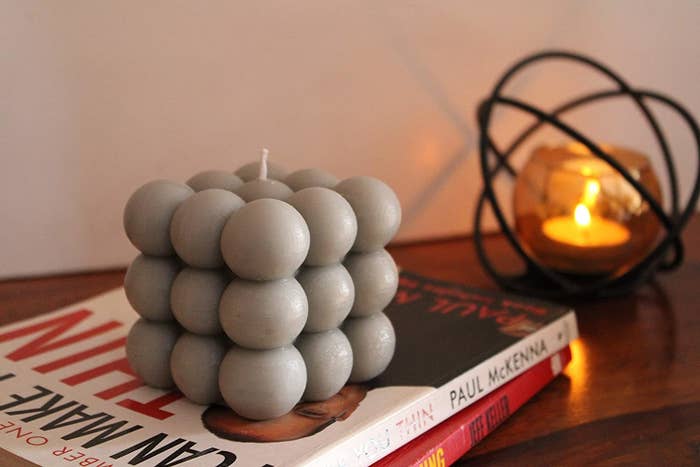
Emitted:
pixel 447 442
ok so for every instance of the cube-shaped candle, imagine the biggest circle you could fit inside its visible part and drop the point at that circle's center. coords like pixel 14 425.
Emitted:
pixel 259 289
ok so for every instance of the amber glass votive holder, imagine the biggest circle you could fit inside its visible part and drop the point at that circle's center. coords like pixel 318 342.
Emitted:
pixel 576 214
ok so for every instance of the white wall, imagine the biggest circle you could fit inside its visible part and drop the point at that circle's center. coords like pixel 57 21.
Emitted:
pixel 97 98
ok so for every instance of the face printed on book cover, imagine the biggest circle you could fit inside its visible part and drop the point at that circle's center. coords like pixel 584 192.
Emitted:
pixel 304 420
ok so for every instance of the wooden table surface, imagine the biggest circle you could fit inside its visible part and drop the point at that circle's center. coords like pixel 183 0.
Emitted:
pixel 630 396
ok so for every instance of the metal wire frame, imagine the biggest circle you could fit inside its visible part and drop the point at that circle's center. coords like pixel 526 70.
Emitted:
pixel 538 279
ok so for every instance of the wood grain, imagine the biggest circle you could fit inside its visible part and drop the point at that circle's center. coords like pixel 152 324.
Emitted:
pixel 631 395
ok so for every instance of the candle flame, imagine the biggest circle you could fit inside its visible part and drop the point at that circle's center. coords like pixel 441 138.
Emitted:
pixel 582 215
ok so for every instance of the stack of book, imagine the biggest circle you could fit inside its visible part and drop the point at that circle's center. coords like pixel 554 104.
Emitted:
pixel 465 360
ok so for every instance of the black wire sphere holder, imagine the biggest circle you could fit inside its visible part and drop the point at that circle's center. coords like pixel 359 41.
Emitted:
pixel 538 279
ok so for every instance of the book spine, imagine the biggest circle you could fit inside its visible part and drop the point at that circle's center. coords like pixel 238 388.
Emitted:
pixel 447 442
pixel 376 441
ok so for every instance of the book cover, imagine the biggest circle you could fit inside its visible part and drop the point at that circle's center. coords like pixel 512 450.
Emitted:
pixel 450 440
pixel 67 393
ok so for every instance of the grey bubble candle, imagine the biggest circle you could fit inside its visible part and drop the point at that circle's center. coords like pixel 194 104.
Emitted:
pixel 331 221
pixel 148 348
pixel 373 342
pixel 376 280
pixel 196 225
pixel 148 213
pixel 215 179
pixel 147 286
pixel 307 178
pixel 262 384
pixel 377 209
pixel 263 186
pixel 263 314
pixel 329 361
pixel 194 365
pixel 266 239
pixel 260 288
pixel 330 293
pixel 194 298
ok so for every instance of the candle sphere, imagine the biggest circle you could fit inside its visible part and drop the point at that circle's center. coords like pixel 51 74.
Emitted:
pixel 266 239
pixel 576 214
pixel 262 384
pixel 215 179
pixel 148 348
pixel 263 315
pixel 251 171
pixel 196 226
pixel 377 209
pixel 373 341
pixel 194 364
pixel 148 213
pixel 328 359
pixel 331 221
pixel 195 297
pixel 376 280
pixel 330 293
pixel 147 286
pixel 307 178
pixel 259 189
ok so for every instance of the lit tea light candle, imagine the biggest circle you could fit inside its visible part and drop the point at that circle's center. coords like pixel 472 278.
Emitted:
pixel 575 213
pixel 583 229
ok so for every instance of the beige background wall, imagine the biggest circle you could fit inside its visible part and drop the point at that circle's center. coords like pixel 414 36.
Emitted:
pixel 98 97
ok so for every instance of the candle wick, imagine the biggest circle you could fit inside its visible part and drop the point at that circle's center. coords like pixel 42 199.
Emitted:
pixel 262 175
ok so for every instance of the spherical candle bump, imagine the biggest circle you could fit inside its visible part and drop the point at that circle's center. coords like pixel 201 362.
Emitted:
pixel 263 315
pixel 263 186
pixel 376 280
pixel 147 286
pixel 330 292
pixel 331 221
pixel 195 297
pixel 148 349
pixel 194 363
pixel 377 209
pixel 266 239
pixel 262 384
pixel 251 171
pixel 148 213
pixel 373 342
pixel 215 179
pixel 307 178
pixel 259 189
pixel 328 359
pixel 196 226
